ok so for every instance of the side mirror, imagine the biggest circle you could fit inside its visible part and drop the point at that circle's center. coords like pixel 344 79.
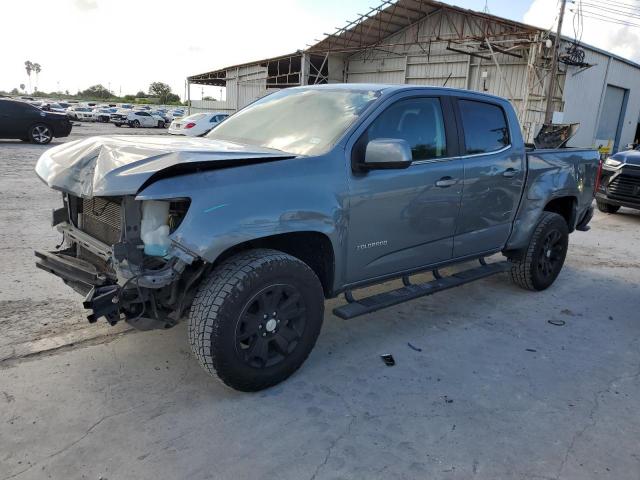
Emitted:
pixel 387 153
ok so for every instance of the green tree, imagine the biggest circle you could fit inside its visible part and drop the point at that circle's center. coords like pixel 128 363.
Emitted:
pixel 96 91
pixel 28 66
pixel 15 91
pixel 140 94
pixel 160 90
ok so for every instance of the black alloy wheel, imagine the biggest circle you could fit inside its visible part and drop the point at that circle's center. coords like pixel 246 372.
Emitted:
pixel 551 255
pixel 270 326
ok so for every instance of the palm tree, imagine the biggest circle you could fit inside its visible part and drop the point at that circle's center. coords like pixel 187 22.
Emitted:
pixel 37 69
pixel 28 66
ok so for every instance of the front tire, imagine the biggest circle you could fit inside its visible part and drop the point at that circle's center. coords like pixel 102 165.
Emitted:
pixel 539 266
pixel 607 207
pixel 135 124
pixel 256 318
pixel 40 134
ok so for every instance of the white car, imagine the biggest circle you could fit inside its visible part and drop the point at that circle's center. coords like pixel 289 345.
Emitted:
pixel 197 124
pixel 137 118
pixel 80 112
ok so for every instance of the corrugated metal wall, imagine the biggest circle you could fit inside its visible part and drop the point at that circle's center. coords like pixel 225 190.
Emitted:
pixel 413 63
pixel 584 94
pixel 411 59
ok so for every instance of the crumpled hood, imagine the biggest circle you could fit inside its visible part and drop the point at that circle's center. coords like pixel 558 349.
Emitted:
pixel 630 157
pixel 122 164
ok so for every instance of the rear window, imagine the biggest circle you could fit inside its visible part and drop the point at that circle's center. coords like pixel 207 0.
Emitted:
pixel 485 127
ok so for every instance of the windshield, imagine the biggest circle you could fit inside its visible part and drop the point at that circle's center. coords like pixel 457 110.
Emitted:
pixel 303 122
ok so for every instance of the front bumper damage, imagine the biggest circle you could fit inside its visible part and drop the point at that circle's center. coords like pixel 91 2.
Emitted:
pixel 117 281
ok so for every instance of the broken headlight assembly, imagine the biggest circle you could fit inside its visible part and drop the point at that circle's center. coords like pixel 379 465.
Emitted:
pixel 160 218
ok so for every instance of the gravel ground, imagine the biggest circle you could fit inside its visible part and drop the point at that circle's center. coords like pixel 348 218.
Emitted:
pixel 492 389
pixel 37 312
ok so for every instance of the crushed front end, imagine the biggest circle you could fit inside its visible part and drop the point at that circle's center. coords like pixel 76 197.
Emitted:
pixel 117 252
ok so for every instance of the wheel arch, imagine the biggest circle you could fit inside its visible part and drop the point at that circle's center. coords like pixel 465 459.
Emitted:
pixel 565 207
pixel 311 247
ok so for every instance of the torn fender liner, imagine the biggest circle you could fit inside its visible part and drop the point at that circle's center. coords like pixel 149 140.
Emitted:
pixel 123 164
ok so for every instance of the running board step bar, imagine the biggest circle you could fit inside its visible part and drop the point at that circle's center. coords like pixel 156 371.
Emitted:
pixel 355 308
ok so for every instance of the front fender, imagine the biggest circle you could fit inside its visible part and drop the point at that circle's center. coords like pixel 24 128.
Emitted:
pixel 236 205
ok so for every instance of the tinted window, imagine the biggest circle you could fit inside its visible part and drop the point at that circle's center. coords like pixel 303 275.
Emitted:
pixel 419 122
pixel 485 127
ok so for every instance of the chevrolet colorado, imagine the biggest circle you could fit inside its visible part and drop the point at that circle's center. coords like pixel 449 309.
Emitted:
pixel 305 194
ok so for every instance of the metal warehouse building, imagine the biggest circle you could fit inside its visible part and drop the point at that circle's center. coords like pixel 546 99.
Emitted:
pixel 425 42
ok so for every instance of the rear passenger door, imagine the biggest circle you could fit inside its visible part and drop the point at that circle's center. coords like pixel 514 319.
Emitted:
pixel 494 172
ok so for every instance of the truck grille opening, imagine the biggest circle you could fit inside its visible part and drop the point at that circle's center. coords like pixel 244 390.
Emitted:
pixel 626 186
pixel 102 219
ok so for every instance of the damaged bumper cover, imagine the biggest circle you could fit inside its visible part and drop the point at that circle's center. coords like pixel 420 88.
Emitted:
pixel 125 290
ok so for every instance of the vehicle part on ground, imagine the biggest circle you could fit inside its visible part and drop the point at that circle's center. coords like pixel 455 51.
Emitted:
pixel 388 359
pixel 539 266
pixel 256 318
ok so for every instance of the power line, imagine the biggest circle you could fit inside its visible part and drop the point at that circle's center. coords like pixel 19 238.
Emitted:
pixel 612 11
pixel 611 15
pixel 616 21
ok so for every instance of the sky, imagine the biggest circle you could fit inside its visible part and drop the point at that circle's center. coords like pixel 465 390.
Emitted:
pixel 127 44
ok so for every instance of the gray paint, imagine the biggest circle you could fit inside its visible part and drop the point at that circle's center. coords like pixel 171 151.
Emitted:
pixel 400 217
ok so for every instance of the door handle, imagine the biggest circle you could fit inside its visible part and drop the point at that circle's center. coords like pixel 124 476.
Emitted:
pixel 510 172
pixel 446 182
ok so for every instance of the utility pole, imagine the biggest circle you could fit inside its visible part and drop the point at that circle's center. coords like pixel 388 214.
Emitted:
pixel 553 78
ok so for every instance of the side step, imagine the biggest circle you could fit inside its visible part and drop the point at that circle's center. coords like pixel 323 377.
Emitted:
pixel 410 291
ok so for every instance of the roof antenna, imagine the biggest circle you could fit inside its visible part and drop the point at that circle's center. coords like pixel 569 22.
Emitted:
pixel 486 6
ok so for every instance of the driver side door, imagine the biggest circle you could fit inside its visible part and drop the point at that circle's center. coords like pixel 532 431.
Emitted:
pixel 405 219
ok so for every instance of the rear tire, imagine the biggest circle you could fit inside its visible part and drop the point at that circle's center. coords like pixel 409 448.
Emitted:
pixel 539 266
pixel 607 207
pixel 256 318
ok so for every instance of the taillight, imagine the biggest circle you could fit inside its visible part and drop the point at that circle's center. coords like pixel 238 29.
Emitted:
pixel 598 177
pixel 190 125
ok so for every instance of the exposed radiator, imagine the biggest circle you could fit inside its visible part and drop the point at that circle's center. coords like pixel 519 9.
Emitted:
pixel 102 219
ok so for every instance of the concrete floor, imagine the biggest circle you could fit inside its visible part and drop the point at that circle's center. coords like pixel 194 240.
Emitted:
pixel 495 392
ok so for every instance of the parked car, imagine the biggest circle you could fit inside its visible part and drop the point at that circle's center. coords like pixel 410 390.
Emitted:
pixel 31 124
pixel 175 114
pixel 81 112
pixel 620 182
pixel 197 124
pixel 103 114
pixel 305 194
pixel 161 115
pixel 136 119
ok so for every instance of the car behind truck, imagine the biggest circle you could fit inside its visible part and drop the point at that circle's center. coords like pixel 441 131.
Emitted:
pixel 306 194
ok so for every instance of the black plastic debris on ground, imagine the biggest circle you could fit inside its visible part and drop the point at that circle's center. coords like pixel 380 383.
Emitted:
pixel 413 347
pixel 557 323
pixel 388 359
pixel 531 350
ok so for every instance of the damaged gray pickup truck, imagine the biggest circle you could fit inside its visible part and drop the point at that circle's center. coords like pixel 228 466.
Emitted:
pixel 305 194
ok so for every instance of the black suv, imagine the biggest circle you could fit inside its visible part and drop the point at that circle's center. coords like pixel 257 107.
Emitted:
pixel 31 124
pixel 619 183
